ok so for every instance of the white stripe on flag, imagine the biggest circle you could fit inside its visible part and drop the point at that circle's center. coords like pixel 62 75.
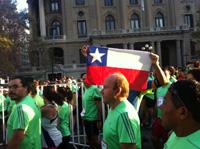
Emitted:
pixel 130 59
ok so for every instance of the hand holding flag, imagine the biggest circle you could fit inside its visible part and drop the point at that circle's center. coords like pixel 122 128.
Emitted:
pixel 102 61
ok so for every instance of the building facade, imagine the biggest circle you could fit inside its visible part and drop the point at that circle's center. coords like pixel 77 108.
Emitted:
pixel 60 27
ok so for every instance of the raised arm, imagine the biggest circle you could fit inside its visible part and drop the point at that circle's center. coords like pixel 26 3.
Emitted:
pixel 84 50
pixel 160 75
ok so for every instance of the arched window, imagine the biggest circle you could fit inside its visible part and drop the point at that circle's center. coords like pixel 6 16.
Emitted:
pixel 159 20
pixel 135 22
pixel 110 23
pixel 55 29
pixel 55 5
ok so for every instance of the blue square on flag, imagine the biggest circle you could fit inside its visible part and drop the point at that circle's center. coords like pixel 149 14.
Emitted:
pixel 97 56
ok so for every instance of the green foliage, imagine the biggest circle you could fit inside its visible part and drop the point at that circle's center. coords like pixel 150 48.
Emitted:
pixel 12 35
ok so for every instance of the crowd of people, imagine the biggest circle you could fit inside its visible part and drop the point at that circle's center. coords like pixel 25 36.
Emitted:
pixel 38 113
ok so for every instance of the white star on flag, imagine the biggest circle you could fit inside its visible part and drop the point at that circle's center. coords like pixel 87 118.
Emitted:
pixel 96 55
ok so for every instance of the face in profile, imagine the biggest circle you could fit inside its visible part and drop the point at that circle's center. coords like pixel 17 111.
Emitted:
pixel 108 90
pixel 169 112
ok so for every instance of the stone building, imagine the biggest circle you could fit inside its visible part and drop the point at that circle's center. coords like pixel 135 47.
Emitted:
pixel 60 27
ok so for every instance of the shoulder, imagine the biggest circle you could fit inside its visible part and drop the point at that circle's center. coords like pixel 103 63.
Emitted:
pixel 193 139
pixel 126 109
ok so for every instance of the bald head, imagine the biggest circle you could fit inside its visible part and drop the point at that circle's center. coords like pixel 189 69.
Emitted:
pixel 120 81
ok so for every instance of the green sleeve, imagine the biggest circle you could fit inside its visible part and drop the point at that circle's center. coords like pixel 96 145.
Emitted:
pixel 126 128
pixel 21 119
pixel 97 93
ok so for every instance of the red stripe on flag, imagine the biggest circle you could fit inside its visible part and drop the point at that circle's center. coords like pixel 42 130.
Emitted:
pixel 137 78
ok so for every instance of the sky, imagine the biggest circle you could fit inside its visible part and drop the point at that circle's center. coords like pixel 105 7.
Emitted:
pixel 21 4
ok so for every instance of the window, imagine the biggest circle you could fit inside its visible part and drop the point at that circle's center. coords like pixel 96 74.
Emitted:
pixel 55 5
pixel 159 20
pixel 188 19
pixel 133 2
pixel 58 56
pixel 55 29
pixel 82 28
pixel 157 1
pixel 80 2
pixel 110 23
pixel 135 22
pixel 108 2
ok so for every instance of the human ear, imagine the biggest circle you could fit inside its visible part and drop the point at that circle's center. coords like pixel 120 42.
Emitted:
pixel 118 92
pixel 183 112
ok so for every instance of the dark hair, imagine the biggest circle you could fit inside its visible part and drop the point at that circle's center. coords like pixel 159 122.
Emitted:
pixel 69 94
pixel 189 93
pixel 82 74
pixel 25 81
pixel 196 64
pixel 195 73
pixel 58 98
pixel 48 92
pixel 61 91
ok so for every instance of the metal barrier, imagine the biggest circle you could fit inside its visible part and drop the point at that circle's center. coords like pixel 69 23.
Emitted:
pixel 78 135
pixel 3 125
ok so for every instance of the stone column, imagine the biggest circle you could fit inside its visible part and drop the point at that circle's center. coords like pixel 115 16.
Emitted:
pixel 132 46
pixel 42 18
pixel 159 52
pixel 98 15
pixel 64 19
pixel 125 46
pixel 186 50
pixel 178 52
pixel 123 15
pixel 153 46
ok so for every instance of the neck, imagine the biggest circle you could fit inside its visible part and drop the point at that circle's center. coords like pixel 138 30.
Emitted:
pixel 116 102
pixel 187 129
pixel 20 99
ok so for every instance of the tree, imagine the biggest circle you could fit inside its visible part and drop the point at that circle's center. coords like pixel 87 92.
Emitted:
pixel 12 34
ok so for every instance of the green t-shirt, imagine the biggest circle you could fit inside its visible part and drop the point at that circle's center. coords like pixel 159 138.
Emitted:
pixel 160 94
pixel 64 117
pixel 11 106
pixel 26 116
pixel 89 103
pixel 191 141
pixel 150 92
pixel 39 101
pixel 173 79
pixel 122 125
pixel 5 101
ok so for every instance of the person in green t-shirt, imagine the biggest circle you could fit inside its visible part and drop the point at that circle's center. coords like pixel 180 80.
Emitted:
pixel 180 113
pixel 159 133
pixel 64 111
pixel 24 122
pixel 91 113
pixel 122 126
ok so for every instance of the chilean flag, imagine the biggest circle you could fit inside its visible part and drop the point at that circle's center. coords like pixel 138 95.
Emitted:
pixel 103 61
